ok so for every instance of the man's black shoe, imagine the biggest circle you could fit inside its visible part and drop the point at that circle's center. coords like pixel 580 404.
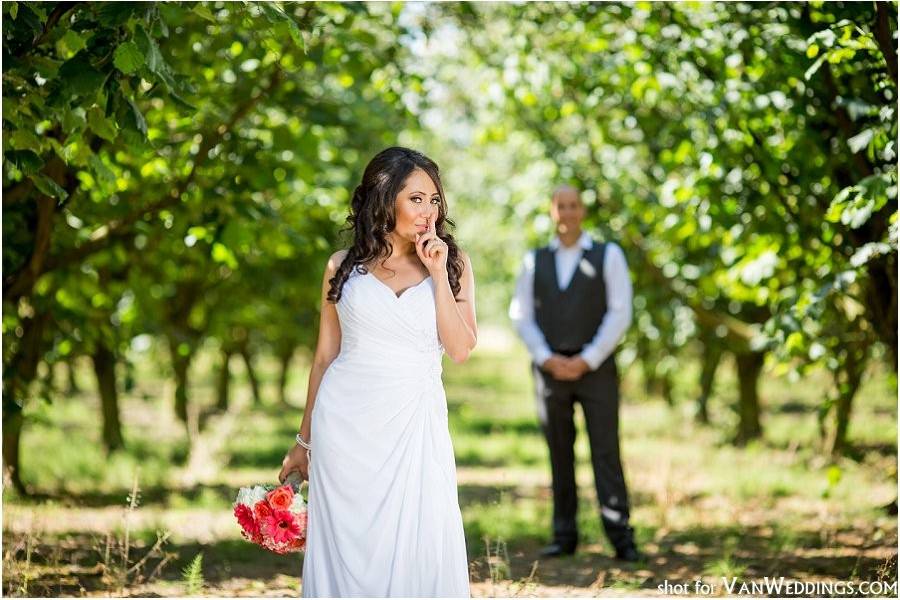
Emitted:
pixel 556 549
pixel 629 554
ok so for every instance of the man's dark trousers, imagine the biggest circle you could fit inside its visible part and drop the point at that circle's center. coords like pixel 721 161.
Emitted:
pixel 598 393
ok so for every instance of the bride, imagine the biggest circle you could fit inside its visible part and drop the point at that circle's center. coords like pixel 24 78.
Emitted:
pixel 374 444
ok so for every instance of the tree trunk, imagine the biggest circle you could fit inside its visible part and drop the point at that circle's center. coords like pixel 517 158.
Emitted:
pixel 648 367
pixel 251 375
pixel 70 376
pixel 224 381
pixel 881 301
pixel 712 356
pixel 668 388
pixel 885 37
pixel 285 360
pixel 749 366
pixel 848 380
pixel 13 419
pixel 180 366
pixel 105 370
pixel 128 382
pixel 18 373
pixel 650 382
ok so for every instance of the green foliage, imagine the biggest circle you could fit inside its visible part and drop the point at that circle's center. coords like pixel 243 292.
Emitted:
pixel 197 159
pixel 180 170
pixel 743 154
pixel 192 576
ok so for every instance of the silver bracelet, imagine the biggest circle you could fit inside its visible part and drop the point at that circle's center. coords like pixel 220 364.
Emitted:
pixel 303 442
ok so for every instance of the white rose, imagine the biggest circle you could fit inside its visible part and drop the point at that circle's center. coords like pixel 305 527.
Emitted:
pixel 298 505
pixel 259 493
pixel 249 496
pixel 244 497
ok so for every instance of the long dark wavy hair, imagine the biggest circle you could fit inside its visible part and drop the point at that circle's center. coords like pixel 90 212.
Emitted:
pixel 371 215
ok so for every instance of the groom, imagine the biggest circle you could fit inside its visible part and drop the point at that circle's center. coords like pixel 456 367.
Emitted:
pixel 571 307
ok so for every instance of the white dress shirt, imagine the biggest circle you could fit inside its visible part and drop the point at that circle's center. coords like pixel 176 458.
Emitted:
pixel 618 299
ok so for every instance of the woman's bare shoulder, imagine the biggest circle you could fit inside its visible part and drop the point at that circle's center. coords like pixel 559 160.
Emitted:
pixel 335 260
pixel 467 262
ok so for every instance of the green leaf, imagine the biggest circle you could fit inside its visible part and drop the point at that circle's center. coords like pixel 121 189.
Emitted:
pixel 815 67
pixel 23 139
pixel 826 37
pixel 192 576
pixel 202 11
pixel 101 124
pixel 48 187
pixel 868 252
pixel 271 11
pixel 113 14
pixel 25 160
pixel 71 43
pixel 182 102
pixel 139 122
pixel 834 475
pixel 128 58
pixel 79 76
pixel 222 254
pixel 103 173
pixel 860 140
pixel 276 15
pixel 153 57
pixel 296 35
pixel 73 120
pixel 29 19
pixel 854 204
pixel 812 51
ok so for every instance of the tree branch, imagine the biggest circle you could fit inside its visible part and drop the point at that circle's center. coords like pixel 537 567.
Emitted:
pixel 54 17
pixel 885 38
pixel 21 282
pixel 101 237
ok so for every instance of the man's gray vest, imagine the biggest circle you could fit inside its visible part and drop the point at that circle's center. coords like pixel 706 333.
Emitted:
pixel 569 318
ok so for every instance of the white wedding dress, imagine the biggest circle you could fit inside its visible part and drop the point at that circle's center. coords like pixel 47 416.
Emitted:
pixel 384 516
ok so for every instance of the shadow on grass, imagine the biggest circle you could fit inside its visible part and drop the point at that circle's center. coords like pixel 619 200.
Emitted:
pixel 857 451
pixel 149 496
pixel 264 456
pixel 483 425
pixel 472 457
pixel 83 569
pixel 743 552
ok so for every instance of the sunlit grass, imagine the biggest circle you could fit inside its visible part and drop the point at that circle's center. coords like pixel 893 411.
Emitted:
pixel 62 447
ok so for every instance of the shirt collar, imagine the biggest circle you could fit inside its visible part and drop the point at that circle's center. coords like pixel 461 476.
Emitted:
pixel 585 241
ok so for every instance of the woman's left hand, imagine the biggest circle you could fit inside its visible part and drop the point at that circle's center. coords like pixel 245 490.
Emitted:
pixel 433 255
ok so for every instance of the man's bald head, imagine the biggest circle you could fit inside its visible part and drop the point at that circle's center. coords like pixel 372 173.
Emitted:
pixel 566 209
pixel 566 192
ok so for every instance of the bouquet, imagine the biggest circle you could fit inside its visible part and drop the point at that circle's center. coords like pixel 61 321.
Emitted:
pixel 273 517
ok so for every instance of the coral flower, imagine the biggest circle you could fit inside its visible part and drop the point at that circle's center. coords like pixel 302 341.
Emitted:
pixel 281 497
pixel 247 522
pixel 281 527
pixel 262 510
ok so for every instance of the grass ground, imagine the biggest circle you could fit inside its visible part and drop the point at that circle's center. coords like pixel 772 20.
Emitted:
pixel 702 508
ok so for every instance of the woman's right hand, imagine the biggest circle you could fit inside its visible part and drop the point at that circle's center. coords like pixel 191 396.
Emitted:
pixel 295 460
